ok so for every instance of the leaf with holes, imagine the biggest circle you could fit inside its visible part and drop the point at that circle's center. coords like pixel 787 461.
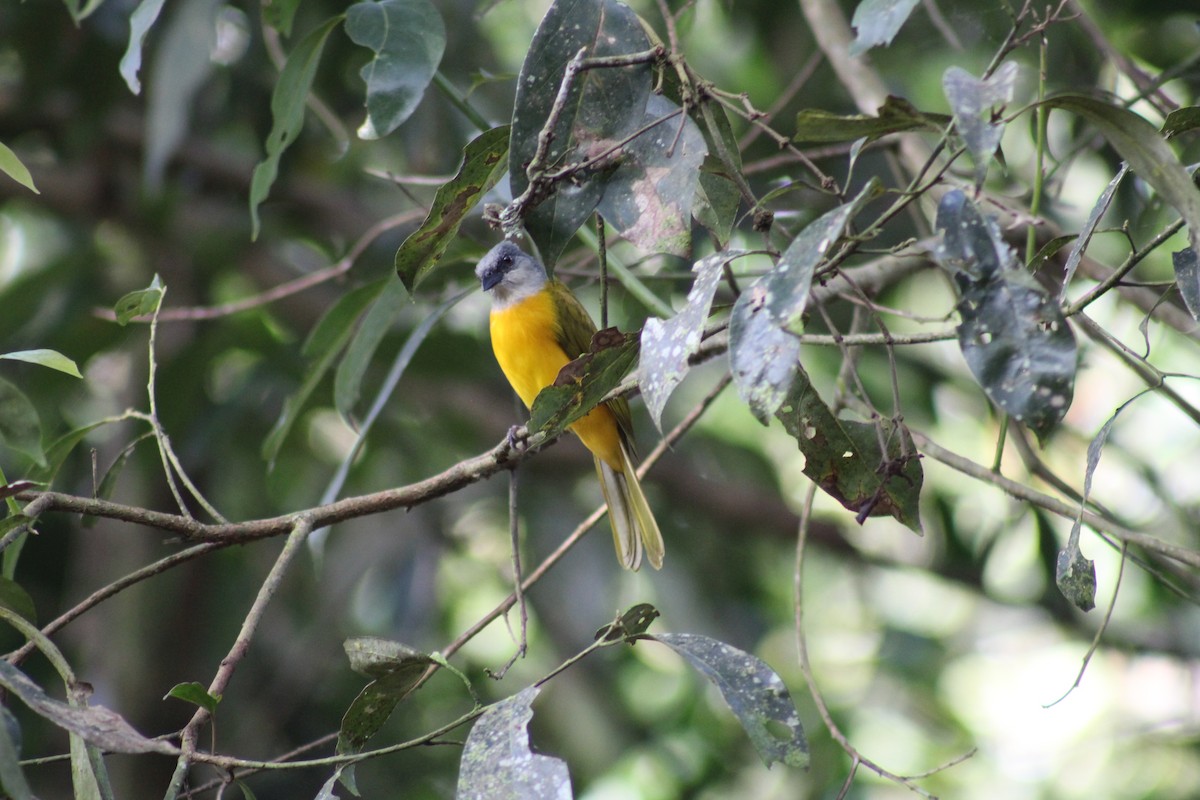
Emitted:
pixel 408 38
pixel 755 693
pixel 497 761
pixel 604 107
pixel 668 345
pixel 973 101
pixel 845 459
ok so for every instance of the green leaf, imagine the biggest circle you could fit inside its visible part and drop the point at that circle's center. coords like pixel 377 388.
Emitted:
pixel 14 597
pixel 667 345
pixel 287 111
pixel 1140 144
pixel 379 319
pixel 604 107
pixel 326 341
pixel 408 38
pixel 584 382
pixel 280 14
pixel 648 197
pixel 717 201
pixel 1187 279
pixel 631 625
pixel 1089 228
pixel 12 779
pixel 139 303
pixel 755 693
pixel 497 761
pixel 140 22
pixel 1181 120
pixel 484 161
pixel 817 126
pixel 763 358
pixel 108 482
pixel 844 458
pixel 20 427
pixel 58 451
pixel 11 166
pixel 194 693
pixel 1013 335
pixel 972 101
pixel 47 358
pixel 877 22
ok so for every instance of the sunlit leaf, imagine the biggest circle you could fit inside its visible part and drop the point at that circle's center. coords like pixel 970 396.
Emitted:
pixel 844 457
pixel 11 166
pixel 140 22
pixel 648 197
pixel 46 358
pixel 287 111
pixel 484 161
pixel 818 126
pixel 584 382
pixel 498 763
pixel 194 693
pixel 1187 278
pixel 324 344
pixel 20 428
pixel 877 22
pixel 973 100
pixel 763 358
pixel 139 303
pixel 1148 155
pixel 755 693
pixel 667 345
pixel 408 38
pixel 604 107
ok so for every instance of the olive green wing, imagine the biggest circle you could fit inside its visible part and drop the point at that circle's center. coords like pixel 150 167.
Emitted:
pixel 574 334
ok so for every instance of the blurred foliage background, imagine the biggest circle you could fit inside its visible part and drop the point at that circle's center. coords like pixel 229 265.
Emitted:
pixel 926 649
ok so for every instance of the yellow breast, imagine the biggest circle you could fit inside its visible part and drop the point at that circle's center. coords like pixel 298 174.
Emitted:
pixel 525 339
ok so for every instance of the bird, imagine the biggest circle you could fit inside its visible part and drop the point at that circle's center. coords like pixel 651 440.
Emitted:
pixel 537 326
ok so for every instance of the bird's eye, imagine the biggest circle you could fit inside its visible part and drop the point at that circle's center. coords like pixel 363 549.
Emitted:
pixel 506 260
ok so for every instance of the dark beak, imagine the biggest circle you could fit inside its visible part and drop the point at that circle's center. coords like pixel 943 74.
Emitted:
pixel 491 278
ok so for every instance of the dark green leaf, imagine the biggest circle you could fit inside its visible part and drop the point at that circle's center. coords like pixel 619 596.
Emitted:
pixel 287 111
pixel 12 779
pixel 11 166
pixel 96 724
pixel 20 427
pixel 1089 228
pixel 1140 144
pixel 717 201
pixel 755 693
pixel 1075 575
pixel 58 451
pixel 379 319
pixel 408 38
pixel 763 358
pixel 139 303
pixel 844 457
pixel 1187 278
pixel 196 694
pixel 1181 120
pixel 108 482
pixel 877 22
pixel 648 197
pixel 667 345
pixel 498 763
pixel 14 597
pixel 787 286
pixel 604 107
pixel 46 358
pixel 971 243
pixel 484 161
pixel 280 14
pixel 630 625
pixel 584 382
pixel 817 126
pixel 324 344
pixel 973 101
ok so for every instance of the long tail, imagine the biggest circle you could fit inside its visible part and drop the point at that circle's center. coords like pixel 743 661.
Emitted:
pixel 633 525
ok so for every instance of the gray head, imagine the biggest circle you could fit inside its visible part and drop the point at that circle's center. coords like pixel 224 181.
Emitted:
pixel 510 274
